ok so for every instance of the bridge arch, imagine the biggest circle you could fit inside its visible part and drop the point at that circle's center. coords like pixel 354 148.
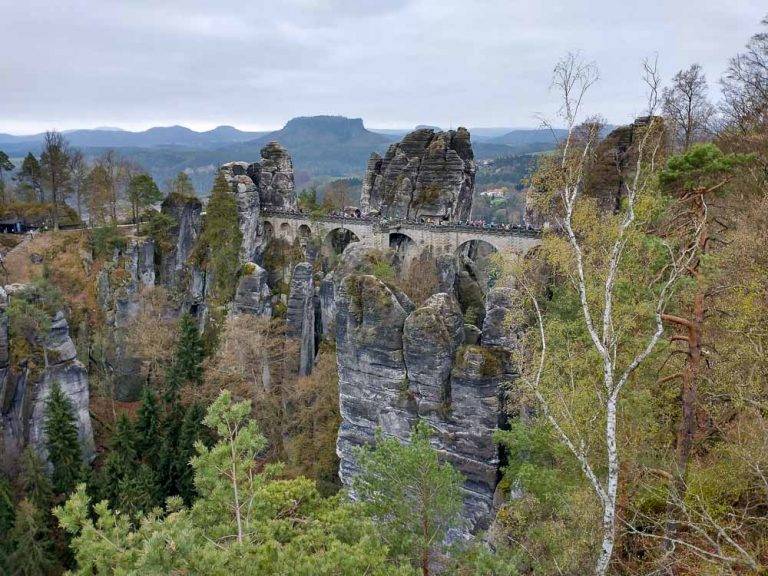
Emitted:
pixel 285 230
pixel 305 231
pixel 336 240
pixel 403 246
pixel 476 249
pixel 269 230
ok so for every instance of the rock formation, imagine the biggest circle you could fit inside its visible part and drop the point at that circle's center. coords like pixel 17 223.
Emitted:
pixel 398 363
pixel 300 318
pixel 23 395
pixel 69 373
pixel 429 173
pixel 248 199
pixel 267 184
pixel 275 178
pixel 186 213
pixel 613 161
pixel 119 289
pixel 253 295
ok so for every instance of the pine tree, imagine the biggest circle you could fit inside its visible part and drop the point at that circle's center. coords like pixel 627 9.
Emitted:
pixel 32 548
pixel 63 444
pixel 120 461
pixel 188 435
pixel 167 470
pixel 410 493
pixel 31 176
pixel 187 366
pixel 34 481
pixel 148 428
pixel 138 491
pixel 218 247
pixel 7 517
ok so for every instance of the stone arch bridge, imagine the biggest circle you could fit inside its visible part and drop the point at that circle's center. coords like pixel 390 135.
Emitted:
pixel 412 236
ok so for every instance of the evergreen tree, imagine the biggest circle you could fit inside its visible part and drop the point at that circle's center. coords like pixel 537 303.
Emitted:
pixel 142 192
pixel 218 248
pixel 167 469
pixel 120 461
pixel 414 496
pixel 31 176
pixel 244 521
pixel 148 428
pixel 7 517
pixel 34 481
pixel 138 491
pixel 182 185
pixel 188 436
pixel 187 364
pixel 64 451
pixel 32 548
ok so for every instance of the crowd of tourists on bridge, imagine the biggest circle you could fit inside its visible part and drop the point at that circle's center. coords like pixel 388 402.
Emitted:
pixel 354 213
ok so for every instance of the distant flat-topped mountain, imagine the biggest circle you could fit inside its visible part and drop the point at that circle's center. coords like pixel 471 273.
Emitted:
pixel 327 145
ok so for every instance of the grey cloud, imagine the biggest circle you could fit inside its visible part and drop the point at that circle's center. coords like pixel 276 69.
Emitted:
pixel 256 64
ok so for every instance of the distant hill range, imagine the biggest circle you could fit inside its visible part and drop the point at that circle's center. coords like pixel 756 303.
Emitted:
pixel 321 146
pixel 159 136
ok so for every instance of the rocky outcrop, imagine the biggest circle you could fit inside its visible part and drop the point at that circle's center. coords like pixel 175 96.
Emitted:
pixel 23 396
pixel 461 278
pixel 186 213
pixel 66 371
pixel 373 381
pixel 253 295
pixel 300 317
pixel 612 163
pixel 275 178
pixel 431 336
pixel 266 184
pixel 398 364
pixel 429 173
pixel 119 290
pixel 240 176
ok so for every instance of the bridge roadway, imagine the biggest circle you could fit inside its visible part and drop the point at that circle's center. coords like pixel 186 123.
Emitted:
pixel 387 233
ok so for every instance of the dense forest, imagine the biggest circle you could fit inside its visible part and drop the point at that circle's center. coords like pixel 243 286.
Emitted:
pixel 635 430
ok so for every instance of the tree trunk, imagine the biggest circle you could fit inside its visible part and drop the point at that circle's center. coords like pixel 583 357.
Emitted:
pixel 609 503
pixel 688 395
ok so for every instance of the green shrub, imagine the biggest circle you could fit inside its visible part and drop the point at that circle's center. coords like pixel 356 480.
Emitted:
pixel 104 241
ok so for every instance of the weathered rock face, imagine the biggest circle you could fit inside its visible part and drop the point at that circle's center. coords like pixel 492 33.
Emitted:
pixel 275 180
pixel 612 163
pixel 23 402
pixel 70 374
pixel 398 364
pixel 253 295
pixel 431 336
pixel 186 213
pixel 119 292
pixel 240 176
pixel 429 173
pixel 373 382
pixel 460 277
pixel 300 317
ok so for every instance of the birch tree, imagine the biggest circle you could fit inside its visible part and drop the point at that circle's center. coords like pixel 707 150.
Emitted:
pixel 591 248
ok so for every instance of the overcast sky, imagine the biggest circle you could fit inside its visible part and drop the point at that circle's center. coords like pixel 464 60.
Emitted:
pixel 396 63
